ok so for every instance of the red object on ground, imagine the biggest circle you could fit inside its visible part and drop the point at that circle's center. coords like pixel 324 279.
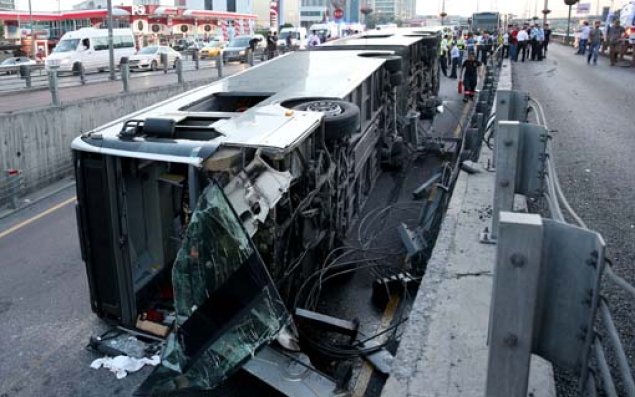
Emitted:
pixel 460 87
pixel 153 315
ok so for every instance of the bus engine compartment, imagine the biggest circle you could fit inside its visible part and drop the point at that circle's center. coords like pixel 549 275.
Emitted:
pixel 207 221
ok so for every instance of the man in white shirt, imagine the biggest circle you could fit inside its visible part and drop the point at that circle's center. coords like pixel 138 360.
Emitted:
pixel 455 54
pixel 523 39
pixel 584 38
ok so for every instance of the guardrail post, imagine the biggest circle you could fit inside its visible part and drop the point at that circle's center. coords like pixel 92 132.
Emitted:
pixel 53 86
pixel 25 73
pixel 195 58
pixel 250 57
pixel 164 62
pixel 514 301
pixel 82 74
pixel 219 65
pixel 507 149
pixel 125 74
pixel 179 71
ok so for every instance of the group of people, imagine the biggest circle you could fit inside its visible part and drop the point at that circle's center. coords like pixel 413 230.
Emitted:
pixel 529 42
pixel 594 38
pixel 468 54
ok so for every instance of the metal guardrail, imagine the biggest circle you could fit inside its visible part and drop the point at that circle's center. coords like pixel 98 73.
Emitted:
pixel 548 273
pixel 37 77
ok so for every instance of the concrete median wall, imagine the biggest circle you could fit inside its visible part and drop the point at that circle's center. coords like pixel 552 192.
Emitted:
pixel 37 141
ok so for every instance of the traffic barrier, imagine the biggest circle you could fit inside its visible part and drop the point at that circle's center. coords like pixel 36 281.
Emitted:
pixel 219 65
pixel 548 277
pixel 53 86
pixel 179 71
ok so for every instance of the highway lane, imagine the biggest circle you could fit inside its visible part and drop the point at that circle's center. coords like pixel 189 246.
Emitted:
pixel 591 110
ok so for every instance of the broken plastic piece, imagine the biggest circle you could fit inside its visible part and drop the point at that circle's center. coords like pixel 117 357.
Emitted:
pixel 121 366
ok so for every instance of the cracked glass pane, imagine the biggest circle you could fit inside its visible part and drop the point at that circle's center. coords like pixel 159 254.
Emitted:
pixel 226 304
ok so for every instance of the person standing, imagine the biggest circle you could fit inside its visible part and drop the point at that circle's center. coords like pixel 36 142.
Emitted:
pixel 313 39
pixel 272 45
pixel 455 54
pixel 614 37
pixel 545 44
pixel 513 43
pixel 469 73
pixel 506 41
pixel 584 38
pixel 595 40
pixel 485 47
pixel 443 55
pixel 523 39
pixel 460 43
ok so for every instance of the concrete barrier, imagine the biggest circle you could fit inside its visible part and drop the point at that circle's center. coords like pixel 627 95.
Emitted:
pixel 37 141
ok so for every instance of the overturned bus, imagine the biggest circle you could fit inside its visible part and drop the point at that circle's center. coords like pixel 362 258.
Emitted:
pixel 420 71
pixel 214 205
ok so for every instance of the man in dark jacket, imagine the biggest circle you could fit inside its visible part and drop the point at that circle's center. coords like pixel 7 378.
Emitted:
pixel 469 71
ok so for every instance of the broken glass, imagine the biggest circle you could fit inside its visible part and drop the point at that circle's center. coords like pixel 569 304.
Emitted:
pixel 226 304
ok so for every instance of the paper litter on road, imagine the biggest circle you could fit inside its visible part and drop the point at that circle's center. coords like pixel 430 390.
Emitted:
pixel 122 365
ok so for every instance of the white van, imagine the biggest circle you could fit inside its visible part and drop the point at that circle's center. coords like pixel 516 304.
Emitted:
pixel 88 47
pixel 326 31
pixel 298 38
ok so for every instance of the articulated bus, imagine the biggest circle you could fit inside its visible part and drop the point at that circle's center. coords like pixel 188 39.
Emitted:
pixel 218 204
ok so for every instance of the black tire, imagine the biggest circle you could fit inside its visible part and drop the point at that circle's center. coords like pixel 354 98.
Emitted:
pixel 341 118
pixel 396 78
pixel 154 66
pixel 77 68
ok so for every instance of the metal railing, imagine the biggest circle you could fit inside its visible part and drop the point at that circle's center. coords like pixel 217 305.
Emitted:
pixel 548 274
pixel 37 77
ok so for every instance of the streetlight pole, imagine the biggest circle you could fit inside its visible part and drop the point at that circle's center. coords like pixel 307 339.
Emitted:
pixel 33 52
pixel 111 50
pixel 568 24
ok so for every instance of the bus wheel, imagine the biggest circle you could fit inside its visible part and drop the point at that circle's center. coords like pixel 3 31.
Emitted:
pixel 341 118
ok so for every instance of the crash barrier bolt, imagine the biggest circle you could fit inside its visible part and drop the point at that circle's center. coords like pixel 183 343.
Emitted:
pixel 196 60
pixel 53 86
pixel 179 71
pixel 219 65
pixel 14 178
pixel 164 62
pixel 250 57
pixel 125 74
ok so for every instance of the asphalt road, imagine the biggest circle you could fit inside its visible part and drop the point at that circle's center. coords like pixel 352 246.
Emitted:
pixel 591 110
pixel 98 84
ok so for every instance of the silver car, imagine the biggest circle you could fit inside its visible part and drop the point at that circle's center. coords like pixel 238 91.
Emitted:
pixel 149 58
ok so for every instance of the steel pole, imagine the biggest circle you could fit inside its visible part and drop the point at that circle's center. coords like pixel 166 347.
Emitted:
pixel 544 10
pixel 568 27
pixel 111 50
pixel 33 52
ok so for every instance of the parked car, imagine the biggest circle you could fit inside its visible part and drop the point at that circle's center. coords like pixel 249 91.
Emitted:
pixel 87 48
pixel 236 50
pixel 211 49
pixel 149 58
pixel 182 44
pixel 12 65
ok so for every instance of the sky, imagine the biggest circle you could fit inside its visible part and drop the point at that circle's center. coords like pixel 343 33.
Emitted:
pixel 521 8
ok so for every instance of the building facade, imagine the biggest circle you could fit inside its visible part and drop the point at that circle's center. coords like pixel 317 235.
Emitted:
pixel 396 9
pixel 241 6
pixel 290 10
pixel 7 4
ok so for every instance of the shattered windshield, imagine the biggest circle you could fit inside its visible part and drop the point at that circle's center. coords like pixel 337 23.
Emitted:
pixel 226 304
